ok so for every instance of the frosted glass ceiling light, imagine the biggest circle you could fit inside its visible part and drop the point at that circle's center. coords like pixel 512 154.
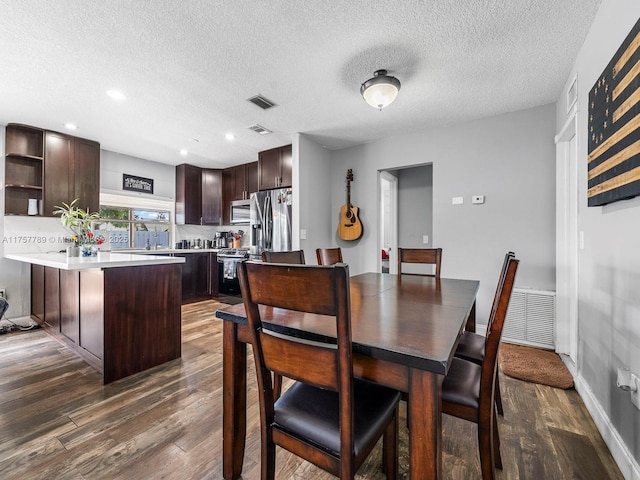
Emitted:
pixel 381 90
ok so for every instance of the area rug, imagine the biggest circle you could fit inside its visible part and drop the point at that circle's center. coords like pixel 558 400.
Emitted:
pixel 534 365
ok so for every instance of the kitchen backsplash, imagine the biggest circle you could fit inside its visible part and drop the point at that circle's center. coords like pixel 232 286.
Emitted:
pixel 24 234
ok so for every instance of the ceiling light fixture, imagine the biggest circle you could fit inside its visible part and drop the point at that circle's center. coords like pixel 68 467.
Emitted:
pixel 184 152
pixel 116 95
pixel 229 136
pixel 70 126
pixel 381 90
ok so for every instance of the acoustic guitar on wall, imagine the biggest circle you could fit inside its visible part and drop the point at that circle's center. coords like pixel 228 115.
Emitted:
pixel 350 227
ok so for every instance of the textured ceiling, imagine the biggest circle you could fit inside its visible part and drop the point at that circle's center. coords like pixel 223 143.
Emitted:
pixel 187 68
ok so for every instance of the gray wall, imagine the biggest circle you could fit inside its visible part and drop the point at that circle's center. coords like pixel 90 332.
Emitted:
pixel 313 190
pixel 113 165
pixel 609 264
pixel 508 158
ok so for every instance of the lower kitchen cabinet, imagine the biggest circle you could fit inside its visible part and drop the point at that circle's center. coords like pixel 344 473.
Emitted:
pixel 120 320
pixel 195 276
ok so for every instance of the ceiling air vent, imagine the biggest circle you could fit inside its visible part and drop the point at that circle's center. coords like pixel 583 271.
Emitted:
pixel 261 102
pixel 260 129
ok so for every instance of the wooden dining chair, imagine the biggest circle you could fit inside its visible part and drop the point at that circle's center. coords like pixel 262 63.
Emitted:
pixel 329 256
pixel 327 416
pixel 472 345
pixel 420 255
pixel 295 257
pixel 468 388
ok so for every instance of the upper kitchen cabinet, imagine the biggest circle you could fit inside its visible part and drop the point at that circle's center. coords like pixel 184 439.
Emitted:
pixel 49 167
pixel 24 158
pixel 238 183
pixel 188 195
pixel 274 168
pixel 211 196
pixel 198 195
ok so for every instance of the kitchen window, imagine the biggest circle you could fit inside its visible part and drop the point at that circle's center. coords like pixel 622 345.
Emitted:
pixel 127 225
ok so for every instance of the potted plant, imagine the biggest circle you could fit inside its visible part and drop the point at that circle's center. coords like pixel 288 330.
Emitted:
pixel 79 222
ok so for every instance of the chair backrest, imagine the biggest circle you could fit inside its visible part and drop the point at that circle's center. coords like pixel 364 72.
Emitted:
pixel 314 289
pixel 494 330
pixel 496 297
pixel 293 257
pixel 329 256
pixel 420 255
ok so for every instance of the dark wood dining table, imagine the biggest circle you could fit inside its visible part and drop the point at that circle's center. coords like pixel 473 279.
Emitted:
pixel 405 330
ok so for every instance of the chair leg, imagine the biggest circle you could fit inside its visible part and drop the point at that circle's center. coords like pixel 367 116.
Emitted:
pixel 486 446
pixel 497 456
pixel 390 449
pixel 268 457
pixel 498 397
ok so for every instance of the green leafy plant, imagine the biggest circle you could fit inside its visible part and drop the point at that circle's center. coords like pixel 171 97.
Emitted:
pixel 79 222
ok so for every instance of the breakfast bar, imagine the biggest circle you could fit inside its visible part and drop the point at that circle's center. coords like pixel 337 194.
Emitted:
pixel 119 312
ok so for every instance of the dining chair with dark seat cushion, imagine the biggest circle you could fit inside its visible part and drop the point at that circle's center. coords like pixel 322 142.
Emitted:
pixel 472 345
pixel 468 388
pixel 431 256
pixel 329 256
pixel 295 257
pixel 326 417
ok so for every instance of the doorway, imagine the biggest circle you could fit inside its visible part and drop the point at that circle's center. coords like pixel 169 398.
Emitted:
pixel 567 240
pixel 406 212
pixel 388 222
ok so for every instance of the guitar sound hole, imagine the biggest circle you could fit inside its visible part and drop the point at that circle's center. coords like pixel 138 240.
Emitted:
pixel 349 214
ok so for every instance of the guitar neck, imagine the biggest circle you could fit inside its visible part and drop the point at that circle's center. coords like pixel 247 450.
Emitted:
pixel 349 194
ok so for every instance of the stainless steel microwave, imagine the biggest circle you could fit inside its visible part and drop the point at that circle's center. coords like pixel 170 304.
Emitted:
pixel 240 212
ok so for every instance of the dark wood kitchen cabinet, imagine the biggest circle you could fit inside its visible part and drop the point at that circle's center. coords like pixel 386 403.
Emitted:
pixel 211 196
pixel 198 195
pixel 24 158
pixel 188 195
pixel 274 168
pixel 72 170
pixel 50 167
pixel 195 276
pixel 52 298
pixel 238 183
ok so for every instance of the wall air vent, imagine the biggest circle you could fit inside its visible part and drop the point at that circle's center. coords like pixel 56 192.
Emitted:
pixel 260 129
pixel 261 102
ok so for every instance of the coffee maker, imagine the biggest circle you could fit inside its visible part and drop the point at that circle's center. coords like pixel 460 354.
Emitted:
pixel 220 240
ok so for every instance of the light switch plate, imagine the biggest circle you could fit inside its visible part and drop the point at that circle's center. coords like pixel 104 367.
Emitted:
pixel 303 234
pixel 425 239
pixel 457 200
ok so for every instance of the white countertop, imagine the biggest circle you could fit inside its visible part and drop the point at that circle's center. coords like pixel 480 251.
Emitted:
pixel 166 251
pixel 103 260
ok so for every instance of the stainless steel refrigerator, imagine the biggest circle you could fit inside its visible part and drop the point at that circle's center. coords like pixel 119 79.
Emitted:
pixel 270 219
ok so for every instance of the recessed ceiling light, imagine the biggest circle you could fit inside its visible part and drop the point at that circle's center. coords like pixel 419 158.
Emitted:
pixel 184 152
pixel 229 136
pixel 116 95
pixel 70 126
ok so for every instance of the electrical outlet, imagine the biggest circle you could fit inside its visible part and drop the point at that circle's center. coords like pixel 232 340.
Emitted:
pixel 3 293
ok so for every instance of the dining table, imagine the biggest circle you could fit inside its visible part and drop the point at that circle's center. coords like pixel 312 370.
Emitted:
pixel 405 330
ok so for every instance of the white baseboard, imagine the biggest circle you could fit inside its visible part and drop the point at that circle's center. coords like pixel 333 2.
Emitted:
pixel 621 454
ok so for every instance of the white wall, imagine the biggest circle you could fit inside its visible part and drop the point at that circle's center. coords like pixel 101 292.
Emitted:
pixel 508 158
pixel 313 188
pixel 609 264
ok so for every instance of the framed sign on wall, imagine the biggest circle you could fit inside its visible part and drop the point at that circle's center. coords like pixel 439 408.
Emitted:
pixel 614 127
pixel 137 184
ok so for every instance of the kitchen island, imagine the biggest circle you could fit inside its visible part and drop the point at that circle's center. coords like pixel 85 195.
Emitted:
pixel 119 312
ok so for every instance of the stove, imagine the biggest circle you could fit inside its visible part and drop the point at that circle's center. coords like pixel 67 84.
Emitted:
pixel 228 277
pixel 233 253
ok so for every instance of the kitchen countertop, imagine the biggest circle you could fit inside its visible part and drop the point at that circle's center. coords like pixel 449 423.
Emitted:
pixel 103 260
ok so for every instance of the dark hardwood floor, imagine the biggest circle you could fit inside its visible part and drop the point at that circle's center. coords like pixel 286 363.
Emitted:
pixel 57 421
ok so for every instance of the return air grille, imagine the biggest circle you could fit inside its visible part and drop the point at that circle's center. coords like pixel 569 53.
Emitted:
pixel 261 102
pixel 260 129
pixel 531 318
